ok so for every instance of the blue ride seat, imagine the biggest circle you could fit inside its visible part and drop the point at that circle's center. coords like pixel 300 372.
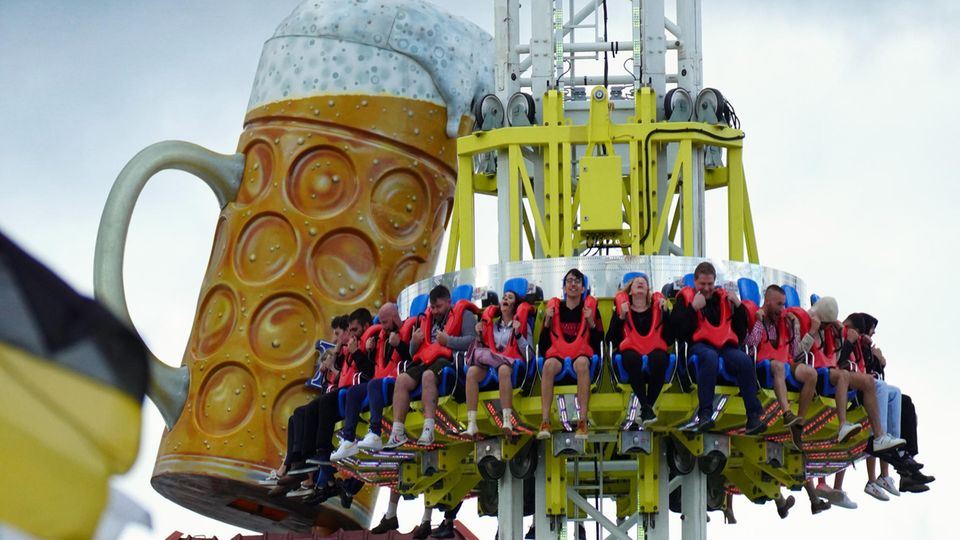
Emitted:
pixel 418 306
pixel 723 377
pixel 688 280
pixel 749 290
pixel 765 376
pixel 518 286
pixel 342 401
pixel 446 384
pixel 829 390
pixel 624 378
pixel 492 380
pixel 814 298
pixel 793 297
pixel 568 373
pixel 461 292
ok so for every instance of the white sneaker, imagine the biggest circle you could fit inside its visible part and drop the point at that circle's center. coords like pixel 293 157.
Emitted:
pixel 397 439
pixel 886 442
pixel 270 480
pixel 843 501
pixel 345 450
pixel 508 426
pixel 371 442
pixel 426 438
pixel 874 490
pixel 826 492
pixel 300 492
pixel 887 484
pixel 848 430
pixel 471 430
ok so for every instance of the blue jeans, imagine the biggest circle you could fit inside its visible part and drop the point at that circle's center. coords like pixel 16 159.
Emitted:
pixel 351 411
pixel 738 364
pixel 888 405
pixel 375 393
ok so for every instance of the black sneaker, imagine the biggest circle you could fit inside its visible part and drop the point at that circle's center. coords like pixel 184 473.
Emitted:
pixel 700 426
pixel 421 531
pixel 531 532
pixel 445 530
pixel 796 436
pixel 386 525
pixel 755 426
pixel 922 478
pixel 909 485
pixel 647 417
pixel 818 506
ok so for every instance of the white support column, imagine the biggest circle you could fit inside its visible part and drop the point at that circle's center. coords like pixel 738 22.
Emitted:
pixel 658 526
pixel 690 51
pixel 654 52
pixel 507 27
pixel 510 507
pixel 542 77
pixel 690 78
pixel 541 521
pixel 694 505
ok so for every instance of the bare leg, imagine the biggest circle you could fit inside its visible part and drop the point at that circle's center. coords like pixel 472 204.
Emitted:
pixel 582 367
pixel 429 394
pixel 780 384
pixel 838 480
pixel 506 386
pixel 551 366
pixel 401 397
pixel 884 468
pixel 808 376
pixel 866 385
pixel 840 379
pixel 474 377
pixel 872 469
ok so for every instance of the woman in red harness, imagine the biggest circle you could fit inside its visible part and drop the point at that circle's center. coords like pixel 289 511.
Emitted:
pixel 640 329
pixel 500 342
pixel 571 329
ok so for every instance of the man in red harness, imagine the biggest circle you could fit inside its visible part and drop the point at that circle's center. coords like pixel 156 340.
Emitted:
pixel 442 331
pixel 571 329
pixel 776 340
pixel 714 322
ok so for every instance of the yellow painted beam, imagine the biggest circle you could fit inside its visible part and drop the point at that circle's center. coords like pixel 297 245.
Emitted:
pixel 735 198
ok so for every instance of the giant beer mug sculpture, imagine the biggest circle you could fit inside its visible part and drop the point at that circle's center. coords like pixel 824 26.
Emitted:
pixel 337 198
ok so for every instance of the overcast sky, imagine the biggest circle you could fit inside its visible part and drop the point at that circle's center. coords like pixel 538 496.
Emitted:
pixel 849 110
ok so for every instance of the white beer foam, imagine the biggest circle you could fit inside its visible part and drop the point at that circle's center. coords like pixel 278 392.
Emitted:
pixel 408 49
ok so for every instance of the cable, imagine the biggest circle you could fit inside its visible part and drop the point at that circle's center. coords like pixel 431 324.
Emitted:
pixel 606 65
pixel 628 70
pixel 646 166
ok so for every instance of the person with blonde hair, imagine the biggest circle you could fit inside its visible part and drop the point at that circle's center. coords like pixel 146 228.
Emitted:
pixel 640 329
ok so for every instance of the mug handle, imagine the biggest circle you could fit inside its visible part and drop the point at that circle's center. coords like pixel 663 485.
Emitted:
pixel 222 173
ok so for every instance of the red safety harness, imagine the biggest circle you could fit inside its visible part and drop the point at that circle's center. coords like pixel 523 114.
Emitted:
pixel 429 350
pixel 719 335
pixel 511 350
pixel 824 347
pixel 639 343
pixel 580 346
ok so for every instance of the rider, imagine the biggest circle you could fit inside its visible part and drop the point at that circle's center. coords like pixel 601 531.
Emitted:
pixel 714 322
pixel 572 328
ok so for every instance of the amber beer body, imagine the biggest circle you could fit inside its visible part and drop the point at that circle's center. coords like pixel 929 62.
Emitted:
pixel 342 203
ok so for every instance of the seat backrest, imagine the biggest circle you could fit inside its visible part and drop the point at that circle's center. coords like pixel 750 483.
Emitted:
pixel 688 280
pixel 793 297
pixel 517 286
pixel 461 292
pixel 749 290
pixel 630 276
pixel 419 304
